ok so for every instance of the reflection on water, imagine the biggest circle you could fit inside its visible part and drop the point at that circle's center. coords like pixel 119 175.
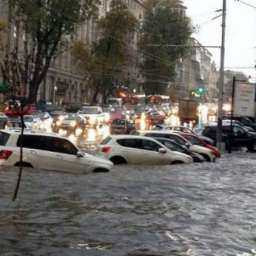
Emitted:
pixel 196 210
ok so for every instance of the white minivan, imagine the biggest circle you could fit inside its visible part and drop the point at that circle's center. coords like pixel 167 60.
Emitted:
pixel 49 152
pixel 130 149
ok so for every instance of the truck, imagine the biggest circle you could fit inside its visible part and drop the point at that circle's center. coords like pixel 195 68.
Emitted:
pixel 188 110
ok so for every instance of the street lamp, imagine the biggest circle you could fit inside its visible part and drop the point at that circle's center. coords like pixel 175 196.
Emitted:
pixel 55 89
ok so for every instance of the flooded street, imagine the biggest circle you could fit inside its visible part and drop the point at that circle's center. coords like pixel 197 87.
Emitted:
pixel 201 209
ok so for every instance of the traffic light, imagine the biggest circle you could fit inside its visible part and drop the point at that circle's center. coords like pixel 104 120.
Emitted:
pixel 198 92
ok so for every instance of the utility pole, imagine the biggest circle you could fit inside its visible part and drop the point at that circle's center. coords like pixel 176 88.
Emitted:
pixel 221 81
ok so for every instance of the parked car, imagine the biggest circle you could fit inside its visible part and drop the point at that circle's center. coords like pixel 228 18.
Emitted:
pixel 13 122
pixel 68 123
pixel 236 138
pixel 203 151
pixel 130 149
pixel 172 145
pixel 184 129
pixel 47 151
pixel 245 121
pixel 3 120
pixel 196 140
pixel 121 126
pixel 94 115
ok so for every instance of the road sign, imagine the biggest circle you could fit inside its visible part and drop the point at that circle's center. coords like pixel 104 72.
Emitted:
pixel 244 102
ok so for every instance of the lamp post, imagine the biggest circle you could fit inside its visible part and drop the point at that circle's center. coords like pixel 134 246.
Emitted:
pixel 55 89
pixel 221 83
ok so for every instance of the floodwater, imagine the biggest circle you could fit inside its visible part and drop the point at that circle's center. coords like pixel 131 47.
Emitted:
pixel 201 209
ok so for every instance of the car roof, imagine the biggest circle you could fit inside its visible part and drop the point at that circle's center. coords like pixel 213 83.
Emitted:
pixel 130 137
pixel 16 131
pixel 157 131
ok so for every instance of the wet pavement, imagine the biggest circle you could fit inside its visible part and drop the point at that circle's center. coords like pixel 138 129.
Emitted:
pixel 200 209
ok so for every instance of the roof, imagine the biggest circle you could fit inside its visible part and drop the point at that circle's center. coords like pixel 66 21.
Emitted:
pixel 17 131
pixel 157 131
pixel 129 137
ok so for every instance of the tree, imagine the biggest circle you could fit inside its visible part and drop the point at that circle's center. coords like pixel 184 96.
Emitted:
pixel 165 35
pixel 42 28
pixel 109 54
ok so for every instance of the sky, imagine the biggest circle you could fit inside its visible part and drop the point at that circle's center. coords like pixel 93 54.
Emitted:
pixel 240 32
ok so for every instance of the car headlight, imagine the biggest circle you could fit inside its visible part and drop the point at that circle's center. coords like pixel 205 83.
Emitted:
pixel 58 123
pixel 73 123
pixel 61 118
pixel 92 120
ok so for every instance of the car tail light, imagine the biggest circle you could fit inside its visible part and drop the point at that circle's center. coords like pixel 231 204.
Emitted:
pixel 106 149
pixel 5 154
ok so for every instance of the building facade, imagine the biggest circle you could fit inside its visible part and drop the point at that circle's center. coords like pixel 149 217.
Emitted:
pixel 195 71
pixel 64 84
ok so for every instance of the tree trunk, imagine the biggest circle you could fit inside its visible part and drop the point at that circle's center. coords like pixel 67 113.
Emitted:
pixel 95 96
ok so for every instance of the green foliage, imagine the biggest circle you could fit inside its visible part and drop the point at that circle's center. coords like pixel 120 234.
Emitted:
pixel 3 27
pixel 111 50
pixel 164 30
pixel 108 54
pixel 199 92
pixel 46 25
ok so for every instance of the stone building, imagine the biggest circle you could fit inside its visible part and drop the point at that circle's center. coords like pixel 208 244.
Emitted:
pixel 64 84
pixel 195 71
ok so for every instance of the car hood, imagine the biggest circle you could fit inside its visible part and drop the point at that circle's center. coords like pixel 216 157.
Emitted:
pixel 252 134
pixel 181 154
pixel 97 160
pixel 201 149
pixel 209 140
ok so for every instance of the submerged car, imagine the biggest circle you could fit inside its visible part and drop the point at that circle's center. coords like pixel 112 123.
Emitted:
pixel 172 145
pixel 203 151
pixel 130 149
pixel 48 152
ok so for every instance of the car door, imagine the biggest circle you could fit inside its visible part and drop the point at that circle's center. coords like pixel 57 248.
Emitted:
pixel 33 151
pixel 241 138
pixel 131 150
pixel 63 156
pixel 151 150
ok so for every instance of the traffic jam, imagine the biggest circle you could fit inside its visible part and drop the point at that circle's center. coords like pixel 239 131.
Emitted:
pixel 94 138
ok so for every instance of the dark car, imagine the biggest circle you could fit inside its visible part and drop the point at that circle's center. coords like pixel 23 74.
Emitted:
pixel 236 137
pixel 172 145
pixel 121 126
pixel 245 121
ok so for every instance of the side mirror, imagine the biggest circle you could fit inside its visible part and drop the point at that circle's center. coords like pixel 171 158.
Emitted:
pixel 162 151
pixel 80 154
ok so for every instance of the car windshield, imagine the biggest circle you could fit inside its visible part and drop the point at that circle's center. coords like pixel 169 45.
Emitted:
pixel 173 146
pixel 70 117
pixel 28 119
pixel 90 110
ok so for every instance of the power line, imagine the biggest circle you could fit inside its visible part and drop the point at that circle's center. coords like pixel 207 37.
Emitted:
pixel 247 4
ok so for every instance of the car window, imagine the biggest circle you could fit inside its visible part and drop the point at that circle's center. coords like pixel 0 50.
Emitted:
pixel 31 141
pixel 4 138
pixel 45 143
pixel 170 145
pixel 128 143
pixel 150 145
pixel 237 129
pixel 60 145
pixel 177 139
pixel 106 141
pixel 194 140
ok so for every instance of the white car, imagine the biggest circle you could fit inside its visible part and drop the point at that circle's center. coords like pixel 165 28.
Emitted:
pixel 129 149
pixel 93 114
pixel 203 151
pixel 47 151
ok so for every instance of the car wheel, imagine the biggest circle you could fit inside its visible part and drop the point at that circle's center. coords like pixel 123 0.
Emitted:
pixel 23 164
pixel 207 158
pixel 252 148
pixel 100 170
pixel 177 162
pixel 118 160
